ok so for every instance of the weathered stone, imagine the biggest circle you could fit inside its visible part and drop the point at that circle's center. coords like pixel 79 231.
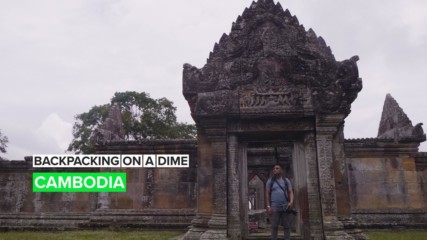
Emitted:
pixel 271 92
pixel 271 81
pixel 270 64
pixel 23 209
pixel 396 125
pixel 112 128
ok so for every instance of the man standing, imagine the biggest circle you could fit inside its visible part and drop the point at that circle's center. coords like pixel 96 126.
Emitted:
pixel 279 196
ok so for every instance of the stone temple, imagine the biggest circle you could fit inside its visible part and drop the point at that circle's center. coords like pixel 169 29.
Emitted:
pixel 270 92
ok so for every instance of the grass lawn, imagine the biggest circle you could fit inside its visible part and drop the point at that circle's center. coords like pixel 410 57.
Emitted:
pixel 89 235
pixel 400 235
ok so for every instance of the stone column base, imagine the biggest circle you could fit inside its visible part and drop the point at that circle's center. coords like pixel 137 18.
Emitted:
pixel 337 235
pixel 350 228
pixel 199 225
pixel 334 229
pixel 215 234
pixel 214 228
pixel 218 221
pixel 193 233
pixel 217 227
pixel 234 231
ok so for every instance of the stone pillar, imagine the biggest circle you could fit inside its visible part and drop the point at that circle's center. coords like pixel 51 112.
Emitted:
pixel 299 185
pixel 244 200
pixel 341 175
pixel 103 201
pixel 211 219
pixel 234 178
pixel 313 192
pixel 204 189
pixel 147 199
pixel 326 129
pixel 217 224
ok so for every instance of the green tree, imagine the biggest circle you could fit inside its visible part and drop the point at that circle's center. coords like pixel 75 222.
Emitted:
pixel 3 143
pixel 142 116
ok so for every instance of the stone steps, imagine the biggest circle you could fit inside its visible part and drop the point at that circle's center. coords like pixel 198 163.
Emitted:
pixel 113 220
pixel 265 234
pixel 268 237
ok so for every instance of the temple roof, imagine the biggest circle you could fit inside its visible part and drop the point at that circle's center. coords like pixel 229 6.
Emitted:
pixel 270 63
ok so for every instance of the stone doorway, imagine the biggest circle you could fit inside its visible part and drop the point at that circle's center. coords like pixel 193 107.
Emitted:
pixel 260 157
pixel 271 81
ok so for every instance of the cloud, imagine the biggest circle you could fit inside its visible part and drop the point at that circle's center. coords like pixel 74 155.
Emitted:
pixel 63 57
pixel 52 136
pixel 57 129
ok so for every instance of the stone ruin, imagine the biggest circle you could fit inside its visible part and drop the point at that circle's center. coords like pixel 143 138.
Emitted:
pixel 112 128
pixel 396 125
pixel 270 83
pixel 270 92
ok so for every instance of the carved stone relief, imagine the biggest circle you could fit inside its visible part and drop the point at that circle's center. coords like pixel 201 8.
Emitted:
pixel 271 62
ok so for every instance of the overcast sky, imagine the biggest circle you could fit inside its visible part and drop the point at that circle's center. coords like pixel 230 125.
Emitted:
pixel 59 58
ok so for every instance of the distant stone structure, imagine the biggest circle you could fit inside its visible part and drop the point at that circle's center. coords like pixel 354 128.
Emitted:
pixel 112 128
pixel 270 92
pixel 396 125
pixel 387 174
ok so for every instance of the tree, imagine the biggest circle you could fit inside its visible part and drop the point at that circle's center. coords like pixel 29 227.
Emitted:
pixel 3 143
pixel 142 116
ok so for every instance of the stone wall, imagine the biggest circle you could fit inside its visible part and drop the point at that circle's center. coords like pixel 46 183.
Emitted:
pixel 421 167
pixel 385 187
pixel 154 197
pixel 172 188
pixel 387 182
pixel 16 187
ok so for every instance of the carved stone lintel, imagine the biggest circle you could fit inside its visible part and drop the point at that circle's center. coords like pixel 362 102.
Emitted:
pixel 280 100
pixel 269 125
pixel 327 124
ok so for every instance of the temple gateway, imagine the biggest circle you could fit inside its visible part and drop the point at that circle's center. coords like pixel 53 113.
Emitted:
pixel 270 92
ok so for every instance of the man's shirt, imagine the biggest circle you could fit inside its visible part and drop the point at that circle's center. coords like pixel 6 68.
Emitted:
pixel 277 196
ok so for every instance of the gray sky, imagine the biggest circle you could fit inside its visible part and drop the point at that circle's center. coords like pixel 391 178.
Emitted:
pixel 59 58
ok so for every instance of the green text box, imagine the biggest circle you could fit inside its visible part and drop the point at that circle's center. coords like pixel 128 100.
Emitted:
pixel 79 182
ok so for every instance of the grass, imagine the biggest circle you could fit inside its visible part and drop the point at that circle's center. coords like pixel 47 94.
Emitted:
pixel 401 235
pixel 90 235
